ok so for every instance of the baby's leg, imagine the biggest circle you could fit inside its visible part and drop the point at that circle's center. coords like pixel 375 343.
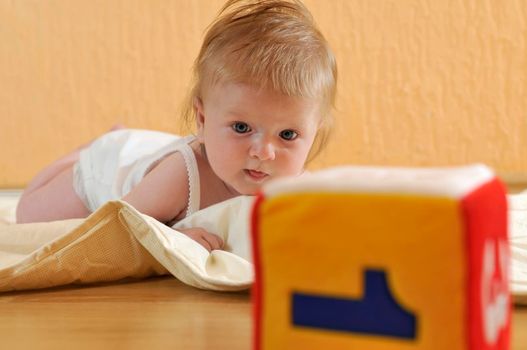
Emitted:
pixel 52 170
pixel 55 168
pixel 50 195
pixel 55 200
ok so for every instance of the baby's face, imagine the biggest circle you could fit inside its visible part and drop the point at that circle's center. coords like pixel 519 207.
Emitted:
pixel 252 135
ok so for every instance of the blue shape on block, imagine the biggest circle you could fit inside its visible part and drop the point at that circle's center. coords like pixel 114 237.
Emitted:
pixel 378 313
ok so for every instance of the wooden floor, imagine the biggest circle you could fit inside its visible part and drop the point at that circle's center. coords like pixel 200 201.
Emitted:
pixel 159 313
pixel 519 328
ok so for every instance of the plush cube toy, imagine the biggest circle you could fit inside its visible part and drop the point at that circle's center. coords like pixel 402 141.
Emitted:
pixel 382 258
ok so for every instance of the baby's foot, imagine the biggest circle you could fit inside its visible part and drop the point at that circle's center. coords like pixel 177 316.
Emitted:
pixel 117 126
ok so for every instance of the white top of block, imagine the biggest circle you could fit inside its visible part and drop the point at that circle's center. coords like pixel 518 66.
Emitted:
pixel 452 182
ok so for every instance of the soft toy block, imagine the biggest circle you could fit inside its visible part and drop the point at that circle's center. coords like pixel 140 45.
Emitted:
pixel 382 258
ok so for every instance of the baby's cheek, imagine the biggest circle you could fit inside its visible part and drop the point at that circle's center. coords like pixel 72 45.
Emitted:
pixel 293 166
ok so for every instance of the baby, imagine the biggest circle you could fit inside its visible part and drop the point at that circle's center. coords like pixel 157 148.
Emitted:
pixel 264 85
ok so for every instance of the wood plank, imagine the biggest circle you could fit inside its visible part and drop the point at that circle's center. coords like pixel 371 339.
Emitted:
pixel 519 328
pixel 154 313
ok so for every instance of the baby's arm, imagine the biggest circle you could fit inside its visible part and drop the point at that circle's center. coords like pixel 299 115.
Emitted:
pixel 163 194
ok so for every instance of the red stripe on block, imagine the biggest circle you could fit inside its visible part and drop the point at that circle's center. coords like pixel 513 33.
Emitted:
pixel 488 295
pixel 257 295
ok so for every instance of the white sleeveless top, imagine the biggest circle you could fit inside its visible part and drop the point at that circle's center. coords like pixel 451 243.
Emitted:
pixel 117 161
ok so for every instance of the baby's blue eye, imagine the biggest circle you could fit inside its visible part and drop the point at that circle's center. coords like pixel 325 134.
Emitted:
pixel 288 135
pixel 241 128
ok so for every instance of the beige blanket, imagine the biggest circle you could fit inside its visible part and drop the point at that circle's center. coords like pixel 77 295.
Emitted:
pixel 117 241
pixel 518 244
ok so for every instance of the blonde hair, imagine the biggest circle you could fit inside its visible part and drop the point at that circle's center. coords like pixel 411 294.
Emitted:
pixel 271 44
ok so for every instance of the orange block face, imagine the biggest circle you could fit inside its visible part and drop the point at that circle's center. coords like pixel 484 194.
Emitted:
pixel 368 271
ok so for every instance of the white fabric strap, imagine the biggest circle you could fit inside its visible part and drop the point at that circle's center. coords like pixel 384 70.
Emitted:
pixel 193 179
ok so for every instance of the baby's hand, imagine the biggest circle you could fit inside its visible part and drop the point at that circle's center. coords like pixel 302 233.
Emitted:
pixel 208 240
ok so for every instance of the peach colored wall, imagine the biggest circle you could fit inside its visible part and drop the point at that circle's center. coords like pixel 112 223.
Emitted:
pixel 422 82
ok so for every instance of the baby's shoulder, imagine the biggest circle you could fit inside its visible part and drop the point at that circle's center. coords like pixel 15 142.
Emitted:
pixel 163 192
pixel 170 162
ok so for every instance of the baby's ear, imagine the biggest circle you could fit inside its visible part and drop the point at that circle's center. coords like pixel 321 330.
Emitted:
pixel 200 118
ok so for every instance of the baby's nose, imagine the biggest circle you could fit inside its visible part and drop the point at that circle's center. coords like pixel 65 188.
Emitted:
pixel 263 150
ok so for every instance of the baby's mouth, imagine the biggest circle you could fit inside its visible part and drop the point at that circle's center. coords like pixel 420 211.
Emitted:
pixel 256 175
